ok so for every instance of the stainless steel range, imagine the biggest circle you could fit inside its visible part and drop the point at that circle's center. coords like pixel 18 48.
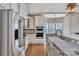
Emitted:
pixel 39 32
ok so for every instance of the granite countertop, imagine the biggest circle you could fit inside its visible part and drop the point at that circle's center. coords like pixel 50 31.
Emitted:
pixel 67 47
pixel 72 36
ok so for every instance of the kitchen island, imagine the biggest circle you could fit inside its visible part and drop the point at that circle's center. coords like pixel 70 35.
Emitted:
pixel 61 47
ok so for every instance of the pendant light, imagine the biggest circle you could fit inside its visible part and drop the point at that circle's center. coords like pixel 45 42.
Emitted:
pixel 71 7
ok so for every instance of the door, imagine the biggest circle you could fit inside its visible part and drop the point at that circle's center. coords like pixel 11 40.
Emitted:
pixel 7 44
pixel 21 42
pixel 13 24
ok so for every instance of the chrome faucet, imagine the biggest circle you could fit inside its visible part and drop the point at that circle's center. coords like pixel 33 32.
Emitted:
pixel 59 35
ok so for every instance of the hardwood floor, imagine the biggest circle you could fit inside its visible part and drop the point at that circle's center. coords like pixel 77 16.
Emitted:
pixel 35 50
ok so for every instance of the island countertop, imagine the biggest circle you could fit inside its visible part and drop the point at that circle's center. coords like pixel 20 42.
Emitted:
pixel 67 47
pixel 72 36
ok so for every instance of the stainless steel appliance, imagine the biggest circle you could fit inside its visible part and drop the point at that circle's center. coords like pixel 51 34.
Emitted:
pixel 21 41
pixel 39 32
pixel 9 22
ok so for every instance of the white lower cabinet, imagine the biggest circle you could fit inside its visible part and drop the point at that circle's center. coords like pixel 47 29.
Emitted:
pixel 54 51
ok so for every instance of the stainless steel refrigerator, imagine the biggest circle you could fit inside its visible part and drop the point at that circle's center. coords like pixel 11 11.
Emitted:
pixel 9 22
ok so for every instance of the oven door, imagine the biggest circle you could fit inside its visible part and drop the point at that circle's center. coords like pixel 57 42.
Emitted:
pixel 39 34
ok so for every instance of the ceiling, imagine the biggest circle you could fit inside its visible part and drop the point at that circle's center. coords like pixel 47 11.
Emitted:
pixel 46 8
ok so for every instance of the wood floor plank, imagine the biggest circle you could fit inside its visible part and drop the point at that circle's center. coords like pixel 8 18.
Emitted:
pixel 35 50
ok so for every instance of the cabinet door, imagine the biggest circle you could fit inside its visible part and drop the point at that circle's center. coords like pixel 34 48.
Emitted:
pixel 31 22
pixel 4 5
pixel 39 20
pixel 36 21
pixel 14 6
pixel 55 52
pixel 23 10
pixel 74 23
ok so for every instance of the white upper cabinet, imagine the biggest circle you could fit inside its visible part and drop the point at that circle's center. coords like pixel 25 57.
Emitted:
pixel 36 21
pixel 20 8
pixel 4 5
pixel 39 20
pixel 14 6
pixel 74 23
pixel 31 23
pixel 23 10
pixel 24 13
pixel 71 24
pixel 66 25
